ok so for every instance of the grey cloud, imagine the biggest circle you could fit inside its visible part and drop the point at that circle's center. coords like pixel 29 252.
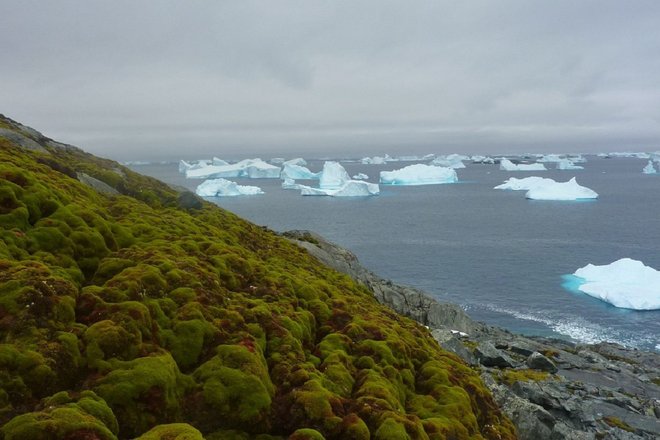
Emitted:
pixel 140 79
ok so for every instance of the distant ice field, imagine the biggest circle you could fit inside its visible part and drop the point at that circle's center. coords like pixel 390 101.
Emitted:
pixel 499 255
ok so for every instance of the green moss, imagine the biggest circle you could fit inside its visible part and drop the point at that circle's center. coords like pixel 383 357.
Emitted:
pixel 64 417
pixel 143 392
pixel 306 434
pixel 174 431
pixel 127 294
pixel 618 423
pixel 509 377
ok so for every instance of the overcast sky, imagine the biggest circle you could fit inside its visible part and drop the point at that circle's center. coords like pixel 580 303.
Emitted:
pixel 144 79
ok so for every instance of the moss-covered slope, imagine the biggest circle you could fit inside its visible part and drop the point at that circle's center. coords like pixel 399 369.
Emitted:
pixel 148 313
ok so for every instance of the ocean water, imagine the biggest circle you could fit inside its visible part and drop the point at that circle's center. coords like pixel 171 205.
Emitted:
pixel 498 255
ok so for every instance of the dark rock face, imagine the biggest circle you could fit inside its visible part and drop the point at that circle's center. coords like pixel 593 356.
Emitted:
pixel 550 388
pixel 537 361
pixel 490 356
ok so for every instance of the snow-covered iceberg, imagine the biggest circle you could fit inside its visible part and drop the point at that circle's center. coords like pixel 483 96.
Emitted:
pixel 525 184
pixel 454 161
pixel 184 166
pixel 360 176
pixel 649 168
pixel 552 190
pixel 333 175
pixel 507 165
pixel 626 283
pixel 225 188
pixel 291 184
pixel 294 171
pixel 297 161
pixel 419 174
pixel 252 168
pixel 350 188
pixel 483 159
pixel 549 158
pixel 376 160
pixel 567 164
pixel 219 162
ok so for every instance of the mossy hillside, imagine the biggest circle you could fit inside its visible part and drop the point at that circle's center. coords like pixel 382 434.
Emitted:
pixel 172 316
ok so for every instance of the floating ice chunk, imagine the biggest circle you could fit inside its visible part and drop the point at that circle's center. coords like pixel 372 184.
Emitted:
pixel 333 175
pixel 350 188
pixel 293 171
pixel 376 160
pixel 419 174
pixel 297 161
pixel 507 165
pixel 561 191
pixel 626 283
pixel 567 164
pixel 225 188
pixel 253 168
pixel 277 160
pixel 649 168
pixel 291 184
pixel 219 162
pixel 415 158
pixel 451 161
pixel 524 184
pixel 482 159
pixel 184 166
pixel 551 158
pixel 360 176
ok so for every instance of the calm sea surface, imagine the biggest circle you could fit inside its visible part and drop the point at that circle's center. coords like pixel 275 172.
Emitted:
pixel 497 254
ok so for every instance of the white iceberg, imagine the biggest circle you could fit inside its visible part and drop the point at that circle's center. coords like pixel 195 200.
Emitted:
pixel 293 171
pixel 482 159
pixel 649 168
pixel 429 156
pixel 626 283
pixel 350 188
pixel 561 191
pixel 549 158
pixel 277 160
pixel 567 164
pixel 451 161
pixel 376 160
pixel 252 168
pixel 525 184
pixel 184 166
pixel 297 161
pixel 333 176
pixel 360 176
pixel 419 174
pixel 507 165
pixel 219 162
pixel 225 188
pixel 291 184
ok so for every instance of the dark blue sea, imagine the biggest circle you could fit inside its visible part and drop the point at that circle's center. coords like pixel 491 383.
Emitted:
pixel 497 254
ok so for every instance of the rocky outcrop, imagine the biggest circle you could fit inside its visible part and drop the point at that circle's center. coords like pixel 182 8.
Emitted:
pixel 549 388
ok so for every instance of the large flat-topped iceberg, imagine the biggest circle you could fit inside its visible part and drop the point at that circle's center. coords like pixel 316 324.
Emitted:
pixel 507 165
pixel 419 174
pixel 252 168
pixel 524 184
pixel 649 168
pixel 225 188
pixel 626 283
pixel 333 175
pixel 552 190
pixel 350 188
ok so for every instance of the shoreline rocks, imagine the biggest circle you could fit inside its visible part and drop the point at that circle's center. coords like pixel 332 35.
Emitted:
pixel 550 388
